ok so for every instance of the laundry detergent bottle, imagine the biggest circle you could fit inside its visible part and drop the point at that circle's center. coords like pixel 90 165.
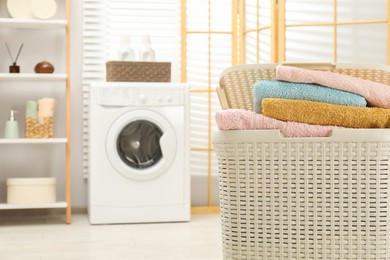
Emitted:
pixel 126 52
pixel 145 52
pixel 11 126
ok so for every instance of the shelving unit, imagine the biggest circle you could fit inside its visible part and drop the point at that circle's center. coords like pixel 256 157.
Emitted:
pixel 60 78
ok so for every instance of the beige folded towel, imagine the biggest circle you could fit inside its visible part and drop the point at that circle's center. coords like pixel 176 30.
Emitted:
pixel 46 108
pixel 318 113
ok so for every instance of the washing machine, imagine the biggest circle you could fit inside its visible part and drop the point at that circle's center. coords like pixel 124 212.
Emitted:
pixel 138 153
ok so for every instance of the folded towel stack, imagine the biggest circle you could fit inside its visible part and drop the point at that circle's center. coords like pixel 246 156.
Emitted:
pixel 326 113
pixel 302 102
pixel 375 93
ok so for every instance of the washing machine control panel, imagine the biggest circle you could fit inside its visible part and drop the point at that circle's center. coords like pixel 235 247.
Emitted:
pixel 141 96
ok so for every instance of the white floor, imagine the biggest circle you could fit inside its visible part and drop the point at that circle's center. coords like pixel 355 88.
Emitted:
pixel 48 238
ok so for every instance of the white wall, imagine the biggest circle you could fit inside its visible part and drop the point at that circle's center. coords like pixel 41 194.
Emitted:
pixel 79 192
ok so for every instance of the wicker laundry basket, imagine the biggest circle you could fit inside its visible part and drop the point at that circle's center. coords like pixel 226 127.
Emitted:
pixel 302 198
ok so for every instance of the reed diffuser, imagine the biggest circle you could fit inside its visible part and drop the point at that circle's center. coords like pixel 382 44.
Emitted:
pixel 14 68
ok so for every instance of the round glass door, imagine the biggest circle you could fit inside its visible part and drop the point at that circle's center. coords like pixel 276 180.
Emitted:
pixel 138 144
pixel 141 144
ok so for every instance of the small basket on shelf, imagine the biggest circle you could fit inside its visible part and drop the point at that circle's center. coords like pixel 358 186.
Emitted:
pixel 34 129
pixel 39 118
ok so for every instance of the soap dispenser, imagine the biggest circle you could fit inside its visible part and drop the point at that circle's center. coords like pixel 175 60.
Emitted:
pixel 146 53
pixel 11 127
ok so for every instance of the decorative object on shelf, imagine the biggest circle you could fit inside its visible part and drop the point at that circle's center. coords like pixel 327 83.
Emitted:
pixel 135 71
pixel 20 9
pixel 44 67
pixel 39 118
pixel 14 68
pixel 43 9
pixel 30 9
pixel 11 126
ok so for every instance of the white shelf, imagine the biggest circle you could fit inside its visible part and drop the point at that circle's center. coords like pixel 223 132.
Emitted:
pixel 34 141
pixel 31 23
pixel 34 206
pixel 33 76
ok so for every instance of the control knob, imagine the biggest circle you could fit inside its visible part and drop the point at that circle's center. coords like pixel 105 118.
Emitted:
pixel 142 98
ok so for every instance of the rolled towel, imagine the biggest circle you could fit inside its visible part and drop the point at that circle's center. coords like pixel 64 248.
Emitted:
pixel 318 113
pixel 46 108
pixel 240 119
pixel 32 109
pixel 301 91
pixel 375 93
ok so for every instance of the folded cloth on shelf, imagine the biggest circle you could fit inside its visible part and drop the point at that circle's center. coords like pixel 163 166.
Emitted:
pixel 318 113
pixel 240 119
pixel 302 91
pixel 375 93
pixel 46 108
pixel 32 109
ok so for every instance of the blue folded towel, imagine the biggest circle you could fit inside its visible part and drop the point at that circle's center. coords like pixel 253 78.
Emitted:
pixel 302 91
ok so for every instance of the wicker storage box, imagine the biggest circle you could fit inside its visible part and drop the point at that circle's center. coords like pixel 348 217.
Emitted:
pixel 302 198
pixel 34 129
pixel 128 71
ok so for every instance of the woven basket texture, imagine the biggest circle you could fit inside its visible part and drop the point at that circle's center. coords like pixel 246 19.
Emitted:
pixel 128 71
pixel 302 198
pixel 34 129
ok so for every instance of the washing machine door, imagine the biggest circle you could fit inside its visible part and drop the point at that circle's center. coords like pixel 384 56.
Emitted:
pixel 141 145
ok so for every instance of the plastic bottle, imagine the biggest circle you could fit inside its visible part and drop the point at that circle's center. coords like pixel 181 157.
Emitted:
pixel 11 126
pixel 146 53
pixel 126 52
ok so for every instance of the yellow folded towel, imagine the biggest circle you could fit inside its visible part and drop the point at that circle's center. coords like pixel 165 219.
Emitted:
pixel 318 113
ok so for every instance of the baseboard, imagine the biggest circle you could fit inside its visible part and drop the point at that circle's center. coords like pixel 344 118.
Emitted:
pixel 15 213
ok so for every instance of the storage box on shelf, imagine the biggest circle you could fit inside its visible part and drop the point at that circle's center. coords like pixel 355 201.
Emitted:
pixel 45 134
pixel 31 190
pixel 302 198
pixel 136 71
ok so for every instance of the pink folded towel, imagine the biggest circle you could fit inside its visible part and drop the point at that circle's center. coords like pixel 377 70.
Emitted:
pixel 375 93
pixel 240 119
